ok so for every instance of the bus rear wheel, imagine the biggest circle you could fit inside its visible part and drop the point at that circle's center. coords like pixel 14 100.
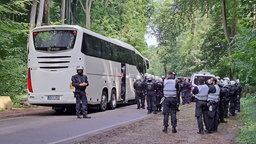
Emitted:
pixel 113 102
pixel 59 110
pixel 104 101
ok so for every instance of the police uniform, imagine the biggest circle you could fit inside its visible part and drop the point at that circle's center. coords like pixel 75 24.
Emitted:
pixel 170 104
pixel 227 100
pixel 151 98
pixel 222 102
pixel 139 92
pixel 239 93
pixel 201 94
pixel 186 95
pixel 213 109
pixel 159 95
pixel 80 93
pixel 233 97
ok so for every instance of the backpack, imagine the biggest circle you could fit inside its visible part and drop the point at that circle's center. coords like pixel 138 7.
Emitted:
pixel 150 86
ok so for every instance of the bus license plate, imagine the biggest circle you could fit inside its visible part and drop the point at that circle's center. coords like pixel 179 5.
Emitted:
pixel 53 97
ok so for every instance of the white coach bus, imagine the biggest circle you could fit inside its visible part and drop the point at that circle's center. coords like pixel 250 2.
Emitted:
pixel 55 52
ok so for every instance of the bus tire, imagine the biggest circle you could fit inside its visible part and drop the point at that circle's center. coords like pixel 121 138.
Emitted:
pixel 104 101
pixel 112 104
pixel 59 110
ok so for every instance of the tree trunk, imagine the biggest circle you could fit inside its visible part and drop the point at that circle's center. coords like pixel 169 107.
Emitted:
pixel 88 13
pixel 47 12
pixel 33 15
pixel 224 19
pixel 40 13
pixel 63 5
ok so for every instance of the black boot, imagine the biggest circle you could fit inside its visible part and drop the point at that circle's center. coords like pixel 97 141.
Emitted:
pixel 165 129
pixel 79 117
pixel 174 129
pixel 86 117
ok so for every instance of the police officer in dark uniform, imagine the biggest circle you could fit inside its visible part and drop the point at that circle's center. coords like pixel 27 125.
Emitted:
pixel 80 82
pixel 233 98
pixel 139 87
pixel 201 92
pixel 159 94
pixel 170 102
pixel 239 93
pixel 227 100
pixel 213 106
pixel 223 97
pixel 151 98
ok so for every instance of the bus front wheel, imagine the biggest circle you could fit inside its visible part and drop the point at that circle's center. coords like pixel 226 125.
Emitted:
pixel 104 101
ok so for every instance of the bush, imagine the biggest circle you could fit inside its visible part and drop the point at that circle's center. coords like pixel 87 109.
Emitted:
pixel 247 133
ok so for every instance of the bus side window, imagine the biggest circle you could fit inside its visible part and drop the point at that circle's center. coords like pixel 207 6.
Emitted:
pixel 84 45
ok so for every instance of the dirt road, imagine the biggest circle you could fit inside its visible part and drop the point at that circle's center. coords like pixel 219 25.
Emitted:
pixel 149 131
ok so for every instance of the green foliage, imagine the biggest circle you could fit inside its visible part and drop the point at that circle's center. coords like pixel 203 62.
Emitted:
pixel 13 48
pixel 192 38
pixel 247 133
pixel 245 56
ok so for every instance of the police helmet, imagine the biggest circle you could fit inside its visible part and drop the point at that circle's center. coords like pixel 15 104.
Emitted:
pixel 138 77
pixel 232 82
pixel 79 68
pixel 160 79
pixel 220 82
pixel 237 81
pixel 146 75
pixel 150 77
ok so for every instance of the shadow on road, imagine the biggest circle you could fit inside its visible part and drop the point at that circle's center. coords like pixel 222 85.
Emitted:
pixel 71 111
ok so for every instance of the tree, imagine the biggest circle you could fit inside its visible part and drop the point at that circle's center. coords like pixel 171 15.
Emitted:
pixel 40 13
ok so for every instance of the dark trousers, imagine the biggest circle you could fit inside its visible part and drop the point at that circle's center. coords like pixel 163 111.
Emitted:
pixel 140 99
pixel 201 113
pixel 81 98
pixel 238 103
pixel 213 117
pixel 158 100
pixel 221 110
pixel 170 107
pixel 226 106
pixel 151 101
pixel 232 107
pixel 186 97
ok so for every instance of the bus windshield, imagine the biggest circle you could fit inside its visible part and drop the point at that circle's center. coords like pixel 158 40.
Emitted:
pixel 54 40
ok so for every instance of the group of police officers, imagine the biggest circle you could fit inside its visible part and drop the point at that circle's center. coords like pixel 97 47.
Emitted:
pixel 215 98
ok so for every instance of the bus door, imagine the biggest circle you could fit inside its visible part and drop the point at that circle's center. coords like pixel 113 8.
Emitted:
pixel 123 81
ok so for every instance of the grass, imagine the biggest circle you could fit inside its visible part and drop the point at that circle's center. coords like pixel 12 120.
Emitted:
pixel 16 101
pixel 247 132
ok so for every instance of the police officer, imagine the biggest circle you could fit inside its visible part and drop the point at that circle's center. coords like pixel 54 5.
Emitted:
pixel 186 94
pixel 151 98
pixel 80 82
pixel 239 93
pixel 233 98
pixel 222 103
pixel 213 106
pixel 201 93
pixel 170 102
pixel 139 91
pixel 226 84
pixel 159 94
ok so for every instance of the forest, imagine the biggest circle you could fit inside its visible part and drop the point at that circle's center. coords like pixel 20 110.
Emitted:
pixel 217 36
